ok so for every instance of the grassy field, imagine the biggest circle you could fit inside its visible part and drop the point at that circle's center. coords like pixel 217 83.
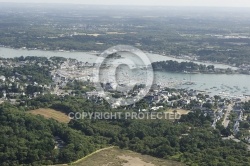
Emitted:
pixel 113 156
pixel 50 113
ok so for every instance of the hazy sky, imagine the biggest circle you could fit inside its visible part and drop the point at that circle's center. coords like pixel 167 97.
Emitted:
pixel 225 3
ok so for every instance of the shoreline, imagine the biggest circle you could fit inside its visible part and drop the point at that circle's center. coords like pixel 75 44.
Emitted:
pixel 97 53
pixel 208 73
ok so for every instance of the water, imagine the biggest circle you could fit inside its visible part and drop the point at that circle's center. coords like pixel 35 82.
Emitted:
pixel 81 56
pixel 87 56
pixel 214 84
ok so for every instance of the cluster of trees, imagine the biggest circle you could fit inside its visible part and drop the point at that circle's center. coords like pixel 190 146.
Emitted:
pixel 65 104
pixel 246 107
pixel 28 73
pixel 190 140
pixel 34 73
pixel 29 140
pixel 175 66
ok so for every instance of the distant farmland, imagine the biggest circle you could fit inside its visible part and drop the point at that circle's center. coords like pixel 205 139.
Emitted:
pixel 50 113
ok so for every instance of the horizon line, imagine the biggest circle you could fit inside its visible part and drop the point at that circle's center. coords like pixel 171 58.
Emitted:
pixel 120 5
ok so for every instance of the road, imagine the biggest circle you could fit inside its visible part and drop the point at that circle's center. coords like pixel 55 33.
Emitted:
pixel 91 154
pixel 226 120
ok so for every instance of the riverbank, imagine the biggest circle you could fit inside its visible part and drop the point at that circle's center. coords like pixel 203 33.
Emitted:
pixel 157 56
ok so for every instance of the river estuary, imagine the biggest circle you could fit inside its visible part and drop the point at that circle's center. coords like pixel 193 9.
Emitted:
pixel 214 84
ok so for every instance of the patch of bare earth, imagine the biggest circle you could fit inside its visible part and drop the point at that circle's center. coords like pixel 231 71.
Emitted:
pixel 115 156
pixel 134 161
pixel 51 113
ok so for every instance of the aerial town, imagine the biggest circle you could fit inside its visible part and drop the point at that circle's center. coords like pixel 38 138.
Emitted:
pixel 63 73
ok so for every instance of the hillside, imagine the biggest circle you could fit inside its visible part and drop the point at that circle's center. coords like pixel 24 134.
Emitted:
pixel 115 156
